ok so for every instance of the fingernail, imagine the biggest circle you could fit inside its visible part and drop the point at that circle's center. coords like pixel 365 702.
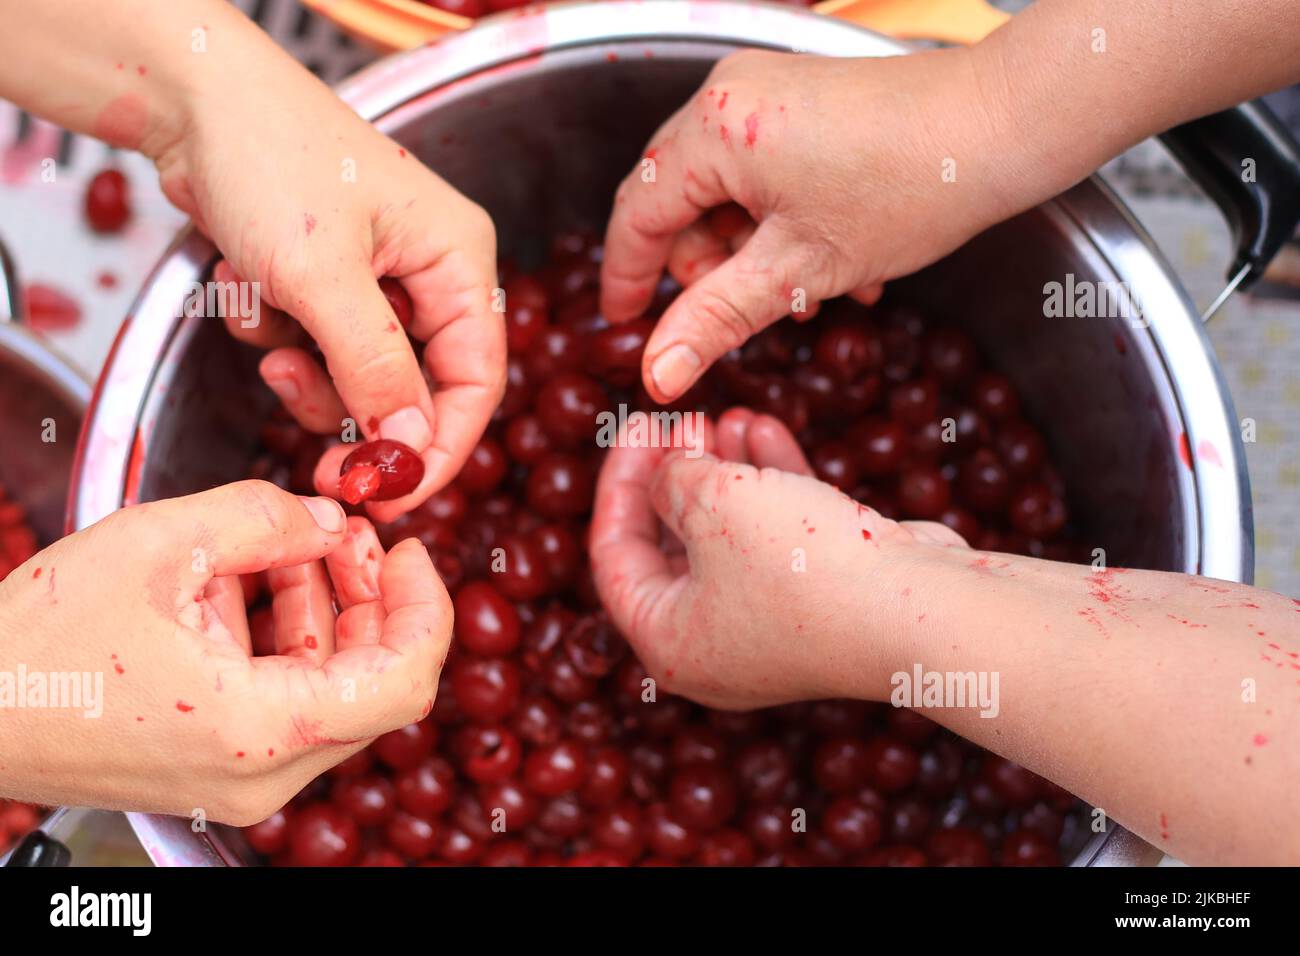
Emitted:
pixel 327 513
pixel 673 370
pixel 409 426
pixel 286 389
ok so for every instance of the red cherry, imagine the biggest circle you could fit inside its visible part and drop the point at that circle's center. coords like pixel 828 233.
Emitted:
pixel 486 688
pixel 1028 848
pixel 882 446
pixel 995 396
pixel 615 353
pixel 726 847
pixel 923 492
pixel 958 846
pixel 526 440
pixel 487 754
pixel 484 469
pixel 560 486
pixel 1034 510
pixel 667 837
pixel 464 8
pixel 555 769
pixel 406 746
pixel 370 800
pixel 621 829
pixel 400 471
pixel 485 622
pixel 850 825
pixel 271 836
pixel 523 575
pixel 702 796
pixel 108 201
pixel 526 311
pixel 849 350
pixel 841 764
pixel 413 837
pixel 427 789
pixel 323 835
pixel 567 406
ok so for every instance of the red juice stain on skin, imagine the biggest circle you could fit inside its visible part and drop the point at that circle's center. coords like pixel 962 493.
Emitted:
pixel 401 152
pixel 1207 452
pixel 122 122
pixel 725 135
pixel 183 707
pixel 1164 827
pixel 36 573
pixel 812 530
pixel 722 100
pixel 1103 587
pixel 239 753
pixel 751 130
pixel 106 280
pixel 1184 450
pixel 270 752
pixel 142 70
pixel 309 642
pixel 866 535
pixel 1260 740
pixel 1185 622
pixel 309 223
pixel 50 309
pixel 119 668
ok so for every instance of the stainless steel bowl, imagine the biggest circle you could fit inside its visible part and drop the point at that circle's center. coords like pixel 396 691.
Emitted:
pixel 44 400
pixel 537 115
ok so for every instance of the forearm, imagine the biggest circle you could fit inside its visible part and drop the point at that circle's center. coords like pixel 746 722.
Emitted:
pixel 1170 701
pixel 131 72
pixel 1072 83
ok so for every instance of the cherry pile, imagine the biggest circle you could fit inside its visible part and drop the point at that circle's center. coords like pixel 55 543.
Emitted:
pixel 542 749
pixel 17 544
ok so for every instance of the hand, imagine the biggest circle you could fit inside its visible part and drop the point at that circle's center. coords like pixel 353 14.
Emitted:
pixel 841 164
pixel 772 586
pixel 149 602
pixel 313 203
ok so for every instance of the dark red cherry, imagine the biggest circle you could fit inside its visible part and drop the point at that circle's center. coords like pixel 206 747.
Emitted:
pixel 836 464
pixel 1028 848
pixel 556 350
pixel 522 574
pixel 983 483
pixel 607 775
pixel 849 350
pixel 400 470
pixel 615 353
pixel 1022 448
pixel 621 829
pixel 484 469
pixel 958 846
pixel 851 826
pixel 486 688
pixel 426 789
pixel 487 754
pixel 108 201
pixel 555 768
pixel 561 552
pixel 995 396
pixel 270 836
pixel 560 486
pixel 841 764
pixel 526 441
pixel 485 622
pixel 914 402
pixel 950 356
pixel 370 800
pixel 413 837
pixel 702 796
pixel 527 313
pixel 764 770
pixel 594 646
pixel 1035 511
pixel 923 492
pixel 538 720
pixel 406 746
pixel 323 835
pixel 726 847
pixel 567 406
pixel 668 838
pixel 882 446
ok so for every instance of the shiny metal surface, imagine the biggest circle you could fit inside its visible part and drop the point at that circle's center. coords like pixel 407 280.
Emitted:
pixel 44 399
pixel 564 98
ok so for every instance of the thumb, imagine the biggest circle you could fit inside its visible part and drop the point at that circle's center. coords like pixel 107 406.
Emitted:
pixel 236 529
pixel 373 366
pixel 743 296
